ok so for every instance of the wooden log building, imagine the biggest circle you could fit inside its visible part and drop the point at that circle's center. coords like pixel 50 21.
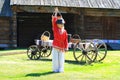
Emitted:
pixel 90 19
pixel 5 24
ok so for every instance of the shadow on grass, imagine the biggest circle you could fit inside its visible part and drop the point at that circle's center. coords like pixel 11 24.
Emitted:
pixel 77 63
pixel 66 61
pixel 70 62
pixel 41 59
pixel 45 59
pixel 39 74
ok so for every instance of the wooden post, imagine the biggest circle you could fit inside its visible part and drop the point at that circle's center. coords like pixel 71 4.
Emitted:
pixel 13 31
pixel 82 23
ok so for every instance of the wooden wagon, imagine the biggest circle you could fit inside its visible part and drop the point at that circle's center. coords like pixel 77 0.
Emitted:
pixel 84 51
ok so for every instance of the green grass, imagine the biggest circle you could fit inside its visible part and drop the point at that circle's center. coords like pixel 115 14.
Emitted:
pixel 19 67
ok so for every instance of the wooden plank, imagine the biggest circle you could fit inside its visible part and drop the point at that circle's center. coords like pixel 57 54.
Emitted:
pixel 4 28
pixel 101 12
pixel 92 27
pixel 4 37
pixel 4 25
pixel 4 41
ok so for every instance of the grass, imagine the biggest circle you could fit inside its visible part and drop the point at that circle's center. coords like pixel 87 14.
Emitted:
pixel 19 67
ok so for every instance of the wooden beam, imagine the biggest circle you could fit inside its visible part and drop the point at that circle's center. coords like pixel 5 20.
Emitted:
pixel 102 12
pixel 43 9
pixel 13 35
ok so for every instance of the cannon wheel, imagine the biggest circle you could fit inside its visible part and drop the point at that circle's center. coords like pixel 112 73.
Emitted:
pixel 33 52
pixel 46 51
pixel 85 52
pixel 101 49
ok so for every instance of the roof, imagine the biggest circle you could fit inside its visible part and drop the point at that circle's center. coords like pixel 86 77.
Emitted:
pixel 1 5
pixel 5 9
pixel 113 4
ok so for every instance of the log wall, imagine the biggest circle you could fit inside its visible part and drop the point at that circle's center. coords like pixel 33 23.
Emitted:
pixel 4 31
pixel 88 23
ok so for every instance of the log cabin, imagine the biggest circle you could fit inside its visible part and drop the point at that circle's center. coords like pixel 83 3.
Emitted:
pixel 91 19
pixel 5 24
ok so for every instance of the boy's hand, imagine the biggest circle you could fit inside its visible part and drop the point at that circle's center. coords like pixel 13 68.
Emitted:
pixel 56 9
pixel 66 50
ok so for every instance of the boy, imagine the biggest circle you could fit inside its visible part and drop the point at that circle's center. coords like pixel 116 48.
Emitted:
pixel 60 42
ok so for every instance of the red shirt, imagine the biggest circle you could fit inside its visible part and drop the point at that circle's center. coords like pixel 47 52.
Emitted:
pixel 60 36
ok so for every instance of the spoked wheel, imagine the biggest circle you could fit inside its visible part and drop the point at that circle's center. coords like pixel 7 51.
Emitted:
pixel 46 51
pixel 101 49
pixel 33 53
pixel 85 52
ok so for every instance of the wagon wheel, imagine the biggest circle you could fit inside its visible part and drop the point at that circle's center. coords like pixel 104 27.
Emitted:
pixel 101 49
pixel 46 51
pixel 85 52
pixel 33 52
